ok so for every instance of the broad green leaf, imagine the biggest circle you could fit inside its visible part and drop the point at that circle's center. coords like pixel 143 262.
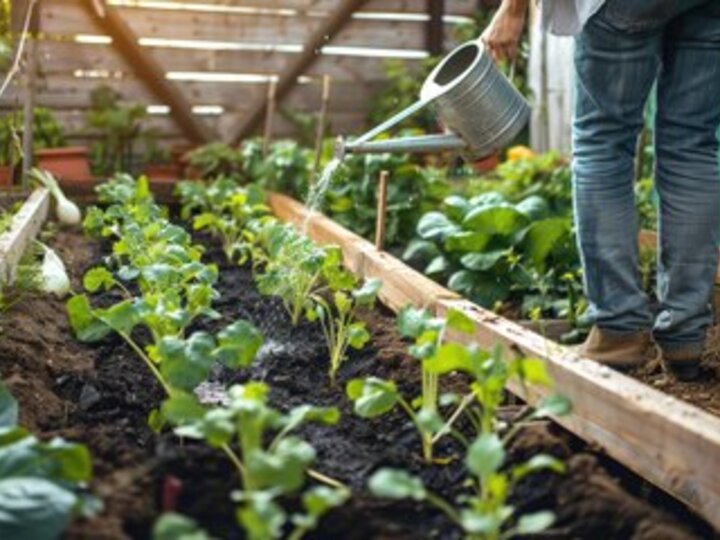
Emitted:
pixel 358 336
pixel 459 321
pixel 467 242
pixel 342 302
pixel 534 207
pixel 411 321
pixel 535 523
pixel 483 261
pixel 320 499
pixel 238 344
pixel 8 408
pixel 503 220
pixel 122 317
pixel 182 408
pixel 172 526
pixel 423 250
pixel 261 517
pixel 367 294
pixel 435 226
pixel 532 371
pixel 542 237
pixel 429 420
pixel 485 455
pixel 98 278
pixel 481 523
pixel 396 484
pixel 69 462
pixel 308 413
pixel 282 468
pixel 34 508
pixel 372 396
pixel 186 363
pixel 437 266
pixel 85 324
pixel 451 357
pixel 556 405
pixel 456 207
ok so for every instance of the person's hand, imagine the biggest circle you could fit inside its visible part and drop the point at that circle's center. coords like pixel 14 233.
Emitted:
pixel 502 35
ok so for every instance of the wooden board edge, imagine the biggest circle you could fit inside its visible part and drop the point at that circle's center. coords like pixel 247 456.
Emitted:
pixel 26 224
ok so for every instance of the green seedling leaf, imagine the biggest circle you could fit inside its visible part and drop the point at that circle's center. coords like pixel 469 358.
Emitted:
pixel 542 237
pixel 451 357
pixel 172 526
pixel 372 396
pixel 467 242
pixel 8 408
pixel 459 321
pixel 283 468
pixel 358 336
pixel 532 371
pixel 535 523
pixel 412 321
pixel 436 226
pixel 556 405
pixel 367 294
pixel 308 413
pixel 98 278
pixel 485 455
pixel 216 428
pixel 34 508
pixel 397 484
pixel 122 317
pixel 261 517
pixel 238 344
pixel 429 421
pixel 481 523
pixel 503 219
pixel 186 363
pixel 182 408
pixel 437 266
pixel 85 324
pixel 480 262
pixel 540 462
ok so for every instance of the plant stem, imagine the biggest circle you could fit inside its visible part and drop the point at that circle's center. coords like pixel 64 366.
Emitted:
pixel 324 479
pixel 444 506
pixel 467 400
pixel 236 461
pixel 150 364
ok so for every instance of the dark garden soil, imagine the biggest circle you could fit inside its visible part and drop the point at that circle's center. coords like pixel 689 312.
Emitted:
pixel 101 395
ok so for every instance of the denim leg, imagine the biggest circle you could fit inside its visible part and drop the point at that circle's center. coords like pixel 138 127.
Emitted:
pixel 615 73
pixel 688 183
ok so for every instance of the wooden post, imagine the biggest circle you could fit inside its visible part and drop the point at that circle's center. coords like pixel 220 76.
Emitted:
pixel 435 33
pixel 269 116
pixel 320 132
pixel 29 106
pixel 381 211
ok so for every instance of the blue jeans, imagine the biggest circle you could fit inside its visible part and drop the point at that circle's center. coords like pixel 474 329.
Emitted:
pixel 623 50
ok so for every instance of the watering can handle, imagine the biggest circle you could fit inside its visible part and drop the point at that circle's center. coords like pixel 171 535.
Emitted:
pixel 387 124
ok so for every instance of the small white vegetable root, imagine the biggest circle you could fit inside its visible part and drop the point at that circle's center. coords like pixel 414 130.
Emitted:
pixel 67 211
pixel 54 276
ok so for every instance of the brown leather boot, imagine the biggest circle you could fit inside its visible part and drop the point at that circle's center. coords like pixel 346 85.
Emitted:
pixel 615 349
pixel 684 364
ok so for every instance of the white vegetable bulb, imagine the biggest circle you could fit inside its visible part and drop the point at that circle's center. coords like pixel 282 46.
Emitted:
pixel 67 211
pixel 54 276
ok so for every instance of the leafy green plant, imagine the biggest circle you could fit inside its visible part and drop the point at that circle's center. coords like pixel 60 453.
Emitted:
pixel 375 397
pixel 271 462
pixel 412 191
pixel 120 127
pixel 47 133
pixel 338 317
pixel 485 512
pixel 43 485
pixel 216 160
pixel 492 251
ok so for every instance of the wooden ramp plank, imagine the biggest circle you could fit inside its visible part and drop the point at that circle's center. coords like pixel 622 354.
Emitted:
pixel 25 226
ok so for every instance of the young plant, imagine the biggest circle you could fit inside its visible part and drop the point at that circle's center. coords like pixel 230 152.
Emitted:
pixel 338 316
pixel 270 461
pixel 484 514
pixel 43 485
pixel 374 397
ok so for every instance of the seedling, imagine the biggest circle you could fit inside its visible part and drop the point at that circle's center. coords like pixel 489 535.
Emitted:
pixel 271 462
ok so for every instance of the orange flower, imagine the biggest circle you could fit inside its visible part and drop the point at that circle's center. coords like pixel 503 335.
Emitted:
pixel 516 153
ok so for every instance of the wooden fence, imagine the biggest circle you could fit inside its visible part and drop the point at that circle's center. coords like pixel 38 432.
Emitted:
pixel 243 44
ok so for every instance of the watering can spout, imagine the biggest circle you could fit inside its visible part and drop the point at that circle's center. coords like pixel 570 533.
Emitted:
pixel 425 143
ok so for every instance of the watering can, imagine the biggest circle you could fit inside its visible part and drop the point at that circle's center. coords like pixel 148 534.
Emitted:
pixel 480 108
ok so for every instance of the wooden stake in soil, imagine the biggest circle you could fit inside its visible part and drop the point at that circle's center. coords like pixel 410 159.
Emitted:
pixel 269 116
pixel 381 211
pixel 320 132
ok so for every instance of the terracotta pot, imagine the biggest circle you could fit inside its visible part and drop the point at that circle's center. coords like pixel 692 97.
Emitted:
pixel 163 173
pixel 486 164
pixel 6 175
pixel 70 163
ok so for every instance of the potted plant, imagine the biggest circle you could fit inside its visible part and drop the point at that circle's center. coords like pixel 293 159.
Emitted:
pixel 120 128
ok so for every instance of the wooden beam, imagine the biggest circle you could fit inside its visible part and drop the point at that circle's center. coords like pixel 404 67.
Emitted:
pixel 149 70
pixel 435 33
pixel 671 443
pixel 31 56
pixel 25 226
pixel 324 34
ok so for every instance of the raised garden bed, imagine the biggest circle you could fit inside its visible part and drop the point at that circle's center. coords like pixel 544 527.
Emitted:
pixel 101 395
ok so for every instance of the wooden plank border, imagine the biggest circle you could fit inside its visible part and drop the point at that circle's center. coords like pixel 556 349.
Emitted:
pixel 672 444
pixel 26 224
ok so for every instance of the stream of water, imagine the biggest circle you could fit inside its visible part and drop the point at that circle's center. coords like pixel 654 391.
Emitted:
pixel 318 190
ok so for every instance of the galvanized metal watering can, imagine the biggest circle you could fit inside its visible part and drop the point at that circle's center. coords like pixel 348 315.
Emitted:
pixel 479 107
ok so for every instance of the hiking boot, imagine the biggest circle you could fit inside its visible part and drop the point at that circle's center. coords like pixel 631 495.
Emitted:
pixel 683 364
pixel 618 350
